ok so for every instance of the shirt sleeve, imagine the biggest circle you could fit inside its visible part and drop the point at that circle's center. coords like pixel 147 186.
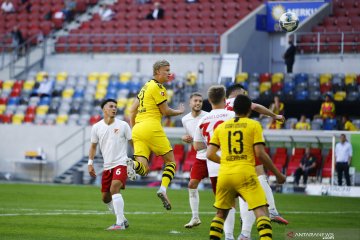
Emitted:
pixel 215 138
pixel 94 137
pixel 258 134
pixel 198 137
pixel 159 93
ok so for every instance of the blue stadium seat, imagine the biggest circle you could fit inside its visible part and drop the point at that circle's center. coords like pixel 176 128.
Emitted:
pixel 13 101
pixel 45 101
pixel 330 124
pixel 288 87
pixel 302 95
pixel 301 77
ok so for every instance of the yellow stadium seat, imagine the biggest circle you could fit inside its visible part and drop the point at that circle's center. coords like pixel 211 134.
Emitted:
pixel 93 77
pixel 102 83
pixel 18 118
pixel 62 119
pixel 340 96
pixel 125 77
pixel 2 108
pixel 350 78
pixel 40 76
pixel 42 110
pixel 7 85
pixel 241 77
pixel 264 86
pixel 325 78
pixel 277 77
pixel 29 84
pixel 104 76
pixel 61 76
pixel 170 94
pixel 191 78
pixel 68 93
pixel 100 95
pixel 121 103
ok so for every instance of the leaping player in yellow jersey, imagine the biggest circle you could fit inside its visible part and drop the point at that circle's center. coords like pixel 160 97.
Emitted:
pixel 238 139
pixel 147 133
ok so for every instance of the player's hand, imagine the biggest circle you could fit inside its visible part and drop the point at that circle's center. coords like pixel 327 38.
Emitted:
pixel 91 170
pixel 281 178
pixel 181 108
pixel 280 118
pixel 187 138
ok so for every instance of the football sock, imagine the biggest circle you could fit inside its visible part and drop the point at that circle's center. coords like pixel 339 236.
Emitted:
pixel 139 168
pixel 216 228
pixel 229 224
pixel 110 207
pixel 119 208
pixel 168 174
pixel 268 192
pixel 264 228
pixel 194 202
pixel 247 218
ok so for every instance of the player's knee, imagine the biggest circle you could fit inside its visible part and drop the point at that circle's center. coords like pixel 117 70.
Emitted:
pixel 260 170
pixel 193 184
pixel 106 198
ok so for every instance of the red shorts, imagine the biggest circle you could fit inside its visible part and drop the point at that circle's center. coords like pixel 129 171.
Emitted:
pixel 213 183
pixel 199 170
pixel 116 173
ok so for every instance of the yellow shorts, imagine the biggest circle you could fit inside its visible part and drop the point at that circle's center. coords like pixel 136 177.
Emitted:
pixel 150 137
pixel 245 184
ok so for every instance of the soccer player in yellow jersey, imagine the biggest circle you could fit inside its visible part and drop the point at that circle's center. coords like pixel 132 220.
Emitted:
pixel 147 133
pixel 239 139
pixel 347 124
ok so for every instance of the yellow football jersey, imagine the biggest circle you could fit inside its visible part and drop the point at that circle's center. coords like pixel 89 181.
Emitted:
pixel 150 96
pixel 236 138
pixel 302 126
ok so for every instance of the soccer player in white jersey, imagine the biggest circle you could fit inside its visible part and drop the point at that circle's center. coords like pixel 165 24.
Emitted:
pixel 248 217
pixel 199 169
pixel 113 136
pixel 203 134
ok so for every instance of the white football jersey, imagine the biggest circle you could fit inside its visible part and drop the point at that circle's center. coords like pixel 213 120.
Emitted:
pixel 113 140
pixel 230 104
pixel 190 123
pixel 205 130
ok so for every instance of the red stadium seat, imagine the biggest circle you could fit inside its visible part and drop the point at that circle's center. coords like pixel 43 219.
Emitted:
pixel 179 154
pixel 189 160
pixel 157 163
pixel 94 119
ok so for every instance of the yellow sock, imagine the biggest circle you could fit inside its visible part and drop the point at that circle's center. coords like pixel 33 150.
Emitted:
pixel 168 174
pixel 216 228
pixel 139 168
pixel 263 225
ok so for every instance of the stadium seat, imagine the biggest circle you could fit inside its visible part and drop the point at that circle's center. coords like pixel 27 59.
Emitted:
pixel 241 77
pixel 189 160
pixel 179 154
pixel 293 164
pixel 61 119
pixel 330 124
pixel 94 119
pixel 156 163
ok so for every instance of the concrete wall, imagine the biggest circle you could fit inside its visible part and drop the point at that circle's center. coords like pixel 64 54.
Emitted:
pixel 252 45
pixel 117 63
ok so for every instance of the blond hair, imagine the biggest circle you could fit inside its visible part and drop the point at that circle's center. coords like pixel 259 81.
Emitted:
pixel 158 64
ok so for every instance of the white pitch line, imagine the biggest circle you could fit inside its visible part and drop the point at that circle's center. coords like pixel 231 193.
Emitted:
pixel 79 212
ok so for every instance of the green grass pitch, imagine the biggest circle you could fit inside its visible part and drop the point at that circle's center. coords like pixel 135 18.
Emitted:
pixel 29 211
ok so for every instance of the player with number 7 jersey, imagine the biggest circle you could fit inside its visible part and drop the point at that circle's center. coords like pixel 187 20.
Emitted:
pixel 203 133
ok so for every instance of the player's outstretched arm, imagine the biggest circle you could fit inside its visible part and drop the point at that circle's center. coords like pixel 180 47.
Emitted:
pixel 211 153
pixel 265 159
pixel 92 152
pixel 167 111
pixel 265 111
pixel 133 111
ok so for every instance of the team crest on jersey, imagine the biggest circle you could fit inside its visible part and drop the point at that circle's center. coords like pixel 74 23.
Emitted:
pixel 116 130
pixel 162 93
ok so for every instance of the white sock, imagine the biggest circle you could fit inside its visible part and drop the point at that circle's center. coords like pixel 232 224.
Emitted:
pixel 268 192
pixel 119 208
pixel 194 202
pixel 247 217
pixel 110 207
pixel 163 189
pixel 229 224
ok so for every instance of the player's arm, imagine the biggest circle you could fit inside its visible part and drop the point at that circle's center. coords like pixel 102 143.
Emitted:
pixel 199 146
pixel 167 111
pixel 134 111
pixel 187 138
pixel 265 159
pixel 211 153
pixel 265 111
pixel 92 152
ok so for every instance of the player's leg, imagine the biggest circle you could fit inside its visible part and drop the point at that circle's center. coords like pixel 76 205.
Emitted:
pixel 140 135
pixel 263 223
pixel 105 190
pixel 247 220
pixel 198 172
pixel 167 176
pixel 274 214
pixel 229 224
pixel 119 176
pixel 217 224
